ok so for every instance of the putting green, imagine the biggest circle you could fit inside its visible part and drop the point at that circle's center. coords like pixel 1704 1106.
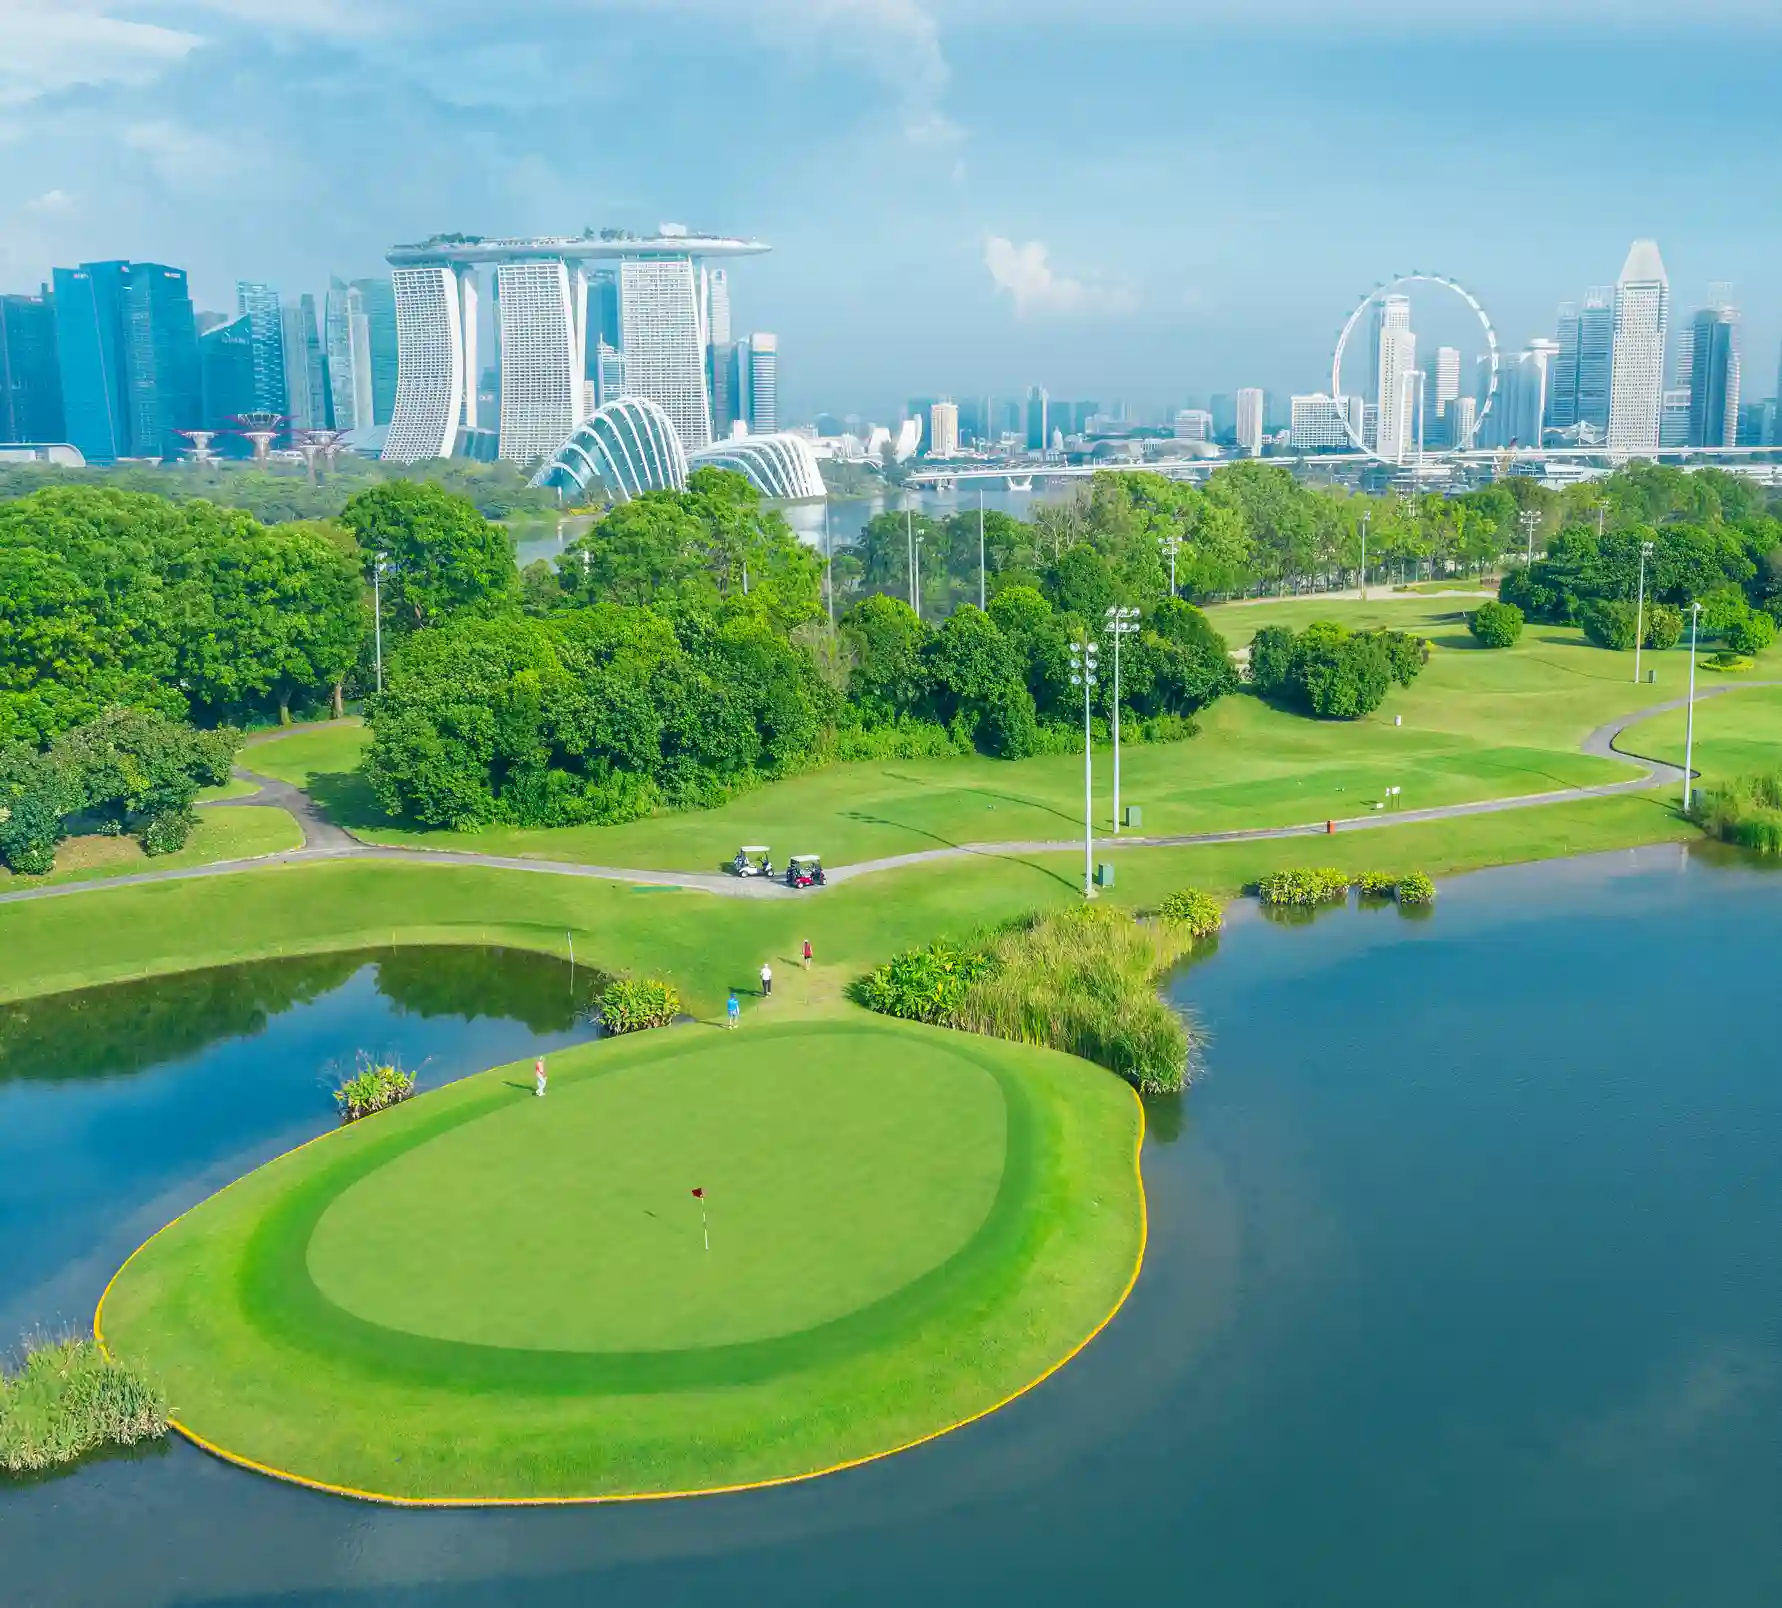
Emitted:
pixel 484 1296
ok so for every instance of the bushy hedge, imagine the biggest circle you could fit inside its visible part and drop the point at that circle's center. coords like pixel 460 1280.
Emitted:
pixel 1199 913
pixel 1082 980
pixel 1303 886
pixel 1332 672
pixel 1746 811
pixel 71 1398
pixel 1495 625
pixel 1416 888
pixel 632 1005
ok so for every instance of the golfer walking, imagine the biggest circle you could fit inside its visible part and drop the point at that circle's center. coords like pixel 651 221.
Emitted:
pixel 766 979
pixel 733 1008
pixel 807 954
pixel 538 1076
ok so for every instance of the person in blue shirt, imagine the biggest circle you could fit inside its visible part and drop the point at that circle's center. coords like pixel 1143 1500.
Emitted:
pixel 734 1008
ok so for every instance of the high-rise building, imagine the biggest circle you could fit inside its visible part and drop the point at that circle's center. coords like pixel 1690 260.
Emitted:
pixel 1578 383
pixel 1317 422
pixel 717 307
pixel 430 319
pixel 1562 387
pixel 1192 424
pixel 1462 426
pixel 1519 417
pixel 30 378
pixel 378 299
pixel 943 430
pixel 1714 377
pixel 764 383
pixel 1673 419
pixel 127 349
pixel 1443 382
pixel 1396 345
pixel 1039 434
pixel 226 372
pixel 349 358
pixel 261 304
pixel 663 330
pixel 1224 412
pixel 1642 320
pixel 1249 421
pixel 306 370
pixel 540 307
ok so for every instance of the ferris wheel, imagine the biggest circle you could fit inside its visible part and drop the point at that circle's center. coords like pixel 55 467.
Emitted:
pixel 1379 293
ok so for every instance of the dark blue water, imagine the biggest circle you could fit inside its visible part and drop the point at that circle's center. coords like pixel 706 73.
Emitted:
pixel 1464 1288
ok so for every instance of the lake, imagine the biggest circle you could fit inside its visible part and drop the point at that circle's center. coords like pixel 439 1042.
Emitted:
pixel 1464 1287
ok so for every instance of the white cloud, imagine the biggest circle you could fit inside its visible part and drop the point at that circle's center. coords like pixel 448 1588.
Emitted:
pixel 52 203
pixel 183 158
pixel 1025 274
pixel 45 47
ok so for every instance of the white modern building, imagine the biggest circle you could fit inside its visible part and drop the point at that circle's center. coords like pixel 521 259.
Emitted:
pixel 763 394
pixel 1394 399
pixel 1192 424
pixel 782 465
pixel 667 299
pixel 943 430
pixel 1462 422
pixel 1322 423
pixel 1249 421
pixel 627 447
pixel 1636 377
pixel 1444 380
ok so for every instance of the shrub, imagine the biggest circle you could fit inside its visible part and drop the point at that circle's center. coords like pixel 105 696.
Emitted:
pixel 373 1087
pixel 630 1006
pixel 1303 886
pixel 1332 672
pixel 1495 625
pixel 923 985
pixel 1728 660
pixel 1376 884
pixel 1746 811
pixel 1750 632
pixel 70 1398
pixel 167 832
pixel 1608 623
pixel 1416 888
pixel 1664 625
pixel 1199 913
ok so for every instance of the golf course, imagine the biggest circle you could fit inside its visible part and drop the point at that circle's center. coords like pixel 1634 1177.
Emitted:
pixel 485 1296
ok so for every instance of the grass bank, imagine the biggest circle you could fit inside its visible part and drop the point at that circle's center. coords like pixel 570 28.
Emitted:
pixel 241 832
pixel 68 1399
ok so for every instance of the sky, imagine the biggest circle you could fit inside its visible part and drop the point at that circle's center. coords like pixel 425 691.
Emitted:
pixel 1147 200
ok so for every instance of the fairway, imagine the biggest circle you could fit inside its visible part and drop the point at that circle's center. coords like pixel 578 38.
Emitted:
pixel 487 1296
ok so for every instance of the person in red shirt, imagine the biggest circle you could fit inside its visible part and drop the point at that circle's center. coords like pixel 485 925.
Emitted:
pixel 807 954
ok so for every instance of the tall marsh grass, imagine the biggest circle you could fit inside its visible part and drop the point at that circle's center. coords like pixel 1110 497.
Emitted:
pixel 1746 811
pixel 70 1398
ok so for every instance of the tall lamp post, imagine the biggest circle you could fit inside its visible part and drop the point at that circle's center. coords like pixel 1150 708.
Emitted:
pixel 828 563
pixel 909 543
pixel 1172 545
pixel 379 560
pixel 1640 609
pixel 1082 674
pixel 1695 615
pixel 1366 515
pixel 983 580
pixel 1120 622
pixel 1530 520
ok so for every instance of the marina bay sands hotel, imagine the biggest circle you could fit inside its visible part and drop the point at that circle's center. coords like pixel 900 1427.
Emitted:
pixel 672 308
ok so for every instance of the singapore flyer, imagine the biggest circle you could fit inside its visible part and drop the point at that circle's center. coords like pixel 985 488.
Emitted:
pixel 1393 287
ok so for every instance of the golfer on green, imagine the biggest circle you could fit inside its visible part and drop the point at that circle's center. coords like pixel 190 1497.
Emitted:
pixel 733 1009
pixel 538 1076
pixel 766 979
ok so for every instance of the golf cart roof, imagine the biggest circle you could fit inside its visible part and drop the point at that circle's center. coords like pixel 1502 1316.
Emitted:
pixel 801 859
pixel 753 848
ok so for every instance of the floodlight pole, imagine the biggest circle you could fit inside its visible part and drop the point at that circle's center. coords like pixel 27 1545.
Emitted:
pixel 1172 545
pixel 1082 673
pixel 1640 610
pixel 1530 519
pixel 983 580
pixel 377 616
pixel 909 543
pixel 1366 514
pixel 1120 622
pixel 828 564
pixel 1695 614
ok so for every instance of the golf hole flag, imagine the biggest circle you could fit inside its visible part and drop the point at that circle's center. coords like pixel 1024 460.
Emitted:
pixel 705 1227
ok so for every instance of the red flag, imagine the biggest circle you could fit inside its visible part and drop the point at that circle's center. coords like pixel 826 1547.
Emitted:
pixel 699 1194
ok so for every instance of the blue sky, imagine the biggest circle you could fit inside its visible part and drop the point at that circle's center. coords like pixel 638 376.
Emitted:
pixel 1122 198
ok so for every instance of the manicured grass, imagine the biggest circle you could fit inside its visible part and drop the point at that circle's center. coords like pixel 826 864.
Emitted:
pixel 235 787
pixel 908 1227
pixel 1736 733
pixel 299 757
pixel 238 833
pixel 704 944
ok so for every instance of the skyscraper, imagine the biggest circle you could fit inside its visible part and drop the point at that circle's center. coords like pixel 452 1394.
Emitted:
pixel 609 375
pixel 1397 347
pixel 1642 320
pixel 1249 421
pixel 434 374
pixel 764 382
pixel 349 357
pixel 663 332
pixel 1714 377
pixel 1562 383
pixel 943 430
pixel 306 370
pixel 261 305
pixel 378 299
pixel 1039 435
pixel 1462 423
pixel 1520 414
pixel 30 379
pixel 226 372
pixel 1444 381
pixel 541 306
pixel 1321 423
pixel 128 354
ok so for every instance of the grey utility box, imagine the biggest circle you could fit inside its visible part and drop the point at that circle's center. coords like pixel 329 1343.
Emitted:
pixel 1104 875
pixel 1134 816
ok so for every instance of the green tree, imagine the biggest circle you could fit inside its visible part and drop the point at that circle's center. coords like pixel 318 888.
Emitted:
pixel 885 641
pixel 443 558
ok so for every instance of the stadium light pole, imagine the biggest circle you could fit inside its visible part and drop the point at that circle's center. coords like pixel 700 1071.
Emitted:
pixel 1695 614
pixel 1120 622
pixel 1366 515
pixel 377 614
pixel 909 544
pixel 1640 609
pixel 1530 519
pixel 1172 545
pixel 1082 674
pixel 983 581
pixel 828 563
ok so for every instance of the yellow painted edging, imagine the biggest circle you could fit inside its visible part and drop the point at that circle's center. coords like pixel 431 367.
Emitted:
pixel 240 1461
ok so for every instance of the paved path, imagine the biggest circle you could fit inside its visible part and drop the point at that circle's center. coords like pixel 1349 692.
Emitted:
pixel 324 841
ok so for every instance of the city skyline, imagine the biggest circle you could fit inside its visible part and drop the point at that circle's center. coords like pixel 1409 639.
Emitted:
pixel 1060 237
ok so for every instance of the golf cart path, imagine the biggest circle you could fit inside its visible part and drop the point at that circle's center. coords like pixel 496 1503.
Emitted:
pixel 324 841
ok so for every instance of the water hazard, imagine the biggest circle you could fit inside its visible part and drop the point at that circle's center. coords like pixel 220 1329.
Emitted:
pixel 1464 1287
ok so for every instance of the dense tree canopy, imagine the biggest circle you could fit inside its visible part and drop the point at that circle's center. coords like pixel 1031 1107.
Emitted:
pixel 440 556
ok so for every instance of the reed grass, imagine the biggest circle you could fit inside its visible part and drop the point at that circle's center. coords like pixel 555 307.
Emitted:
pixel 70 1398
pixel 1746 811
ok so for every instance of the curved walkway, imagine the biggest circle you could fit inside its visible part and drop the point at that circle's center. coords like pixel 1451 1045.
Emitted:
pixel 323 840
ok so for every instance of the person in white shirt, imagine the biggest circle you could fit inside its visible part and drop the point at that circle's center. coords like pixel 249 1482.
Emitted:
pixel 766 979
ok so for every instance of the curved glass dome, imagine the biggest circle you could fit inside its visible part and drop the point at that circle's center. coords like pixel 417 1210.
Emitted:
pixel 778 466
pixel 629 446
